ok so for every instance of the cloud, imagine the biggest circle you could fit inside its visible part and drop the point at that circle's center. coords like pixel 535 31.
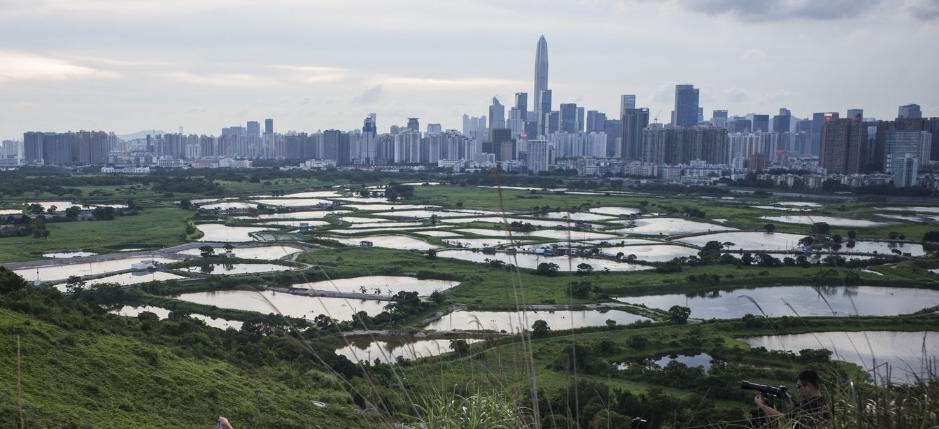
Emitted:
pixel 18 66
pixel 754 54
pixel 736 95
pixel 311 74
pixel 780 10
pixel 438 83
pixel 240 80
pixel 923 9
pixel 369 96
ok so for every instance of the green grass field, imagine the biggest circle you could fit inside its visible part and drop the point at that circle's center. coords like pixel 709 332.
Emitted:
pixel 152 228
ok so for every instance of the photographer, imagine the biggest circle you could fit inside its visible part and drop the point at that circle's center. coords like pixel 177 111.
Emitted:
pixel 808 413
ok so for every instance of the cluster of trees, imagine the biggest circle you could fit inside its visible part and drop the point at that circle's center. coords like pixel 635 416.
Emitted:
pixel 395 192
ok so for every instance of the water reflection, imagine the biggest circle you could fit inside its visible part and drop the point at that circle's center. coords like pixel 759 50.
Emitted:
pixel 513 321
pixel 389 352
pixel 267 302
pixel 789 300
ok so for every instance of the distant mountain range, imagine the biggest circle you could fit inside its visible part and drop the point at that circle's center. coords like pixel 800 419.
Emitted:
pixel 139 134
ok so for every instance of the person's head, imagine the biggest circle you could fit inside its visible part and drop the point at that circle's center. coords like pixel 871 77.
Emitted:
pixel 807 383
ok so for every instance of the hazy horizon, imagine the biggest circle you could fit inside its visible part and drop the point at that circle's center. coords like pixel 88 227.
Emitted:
pixel 139 65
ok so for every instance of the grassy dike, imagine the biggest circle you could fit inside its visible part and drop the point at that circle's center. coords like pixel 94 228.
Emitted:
pixel 137 383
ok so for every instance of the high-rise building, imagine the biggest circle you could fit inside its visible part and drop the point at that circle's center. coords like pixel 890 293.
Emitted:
pixel 544 110
pixel 634 121
pixel 843 145
pixel 496 114
pixel 552 122
pixel 626 101
pixel 539 156
pixel 414 124
pixel 613 129
pixel 686 105
pixel 818 122
pixel 521 103
pixel 516 122
pixel 910 111
pixel 580 118
pixel 568 117
pixel 71 148
pixel 541 81
pixel 254 129
pixel 596 121
pixel 760 123
pixel 855 114
pixel 434 129
pixel 268 126
pixel 906 151
pixel 782 123
pixel 719 118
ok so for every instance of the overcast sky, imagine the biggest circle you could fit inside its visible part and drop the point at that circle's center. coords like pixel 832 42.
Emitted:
pixel 202 65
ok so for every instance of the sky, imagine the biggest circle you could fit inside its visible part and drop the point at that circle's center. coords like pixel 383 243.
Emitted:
pixel 135 65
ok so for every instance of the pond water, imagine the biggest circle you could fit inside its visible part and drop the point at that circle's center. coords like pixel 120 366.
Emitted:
pixel 59 272
pixel 671 226
pixel 400 242
pixel 557 234
pixel 289 305
pixel 831 220
pixel 61 255
pixel 379 223
pixel 798 204
pixel 511 321
pixel 8 212
pixel 424 214
pixel 700 360
pixel 311 214
pixel 867 300
pixel 296 223
pixel 162 313
pixel 384 230
pixel 394 284
pixel 216 269
pixel 580 216
pixel 906 353
pixel 530 261
pixel 136 277
pixel 387 352
pixel 883 247
pixel 788 209
pixel 260 252
pixel 359 219
pixel 651 253
pixel 312 194
pixel 385 207
pixel 217 232
pixel 910 218
pixel 917 209
pixel 615 211
pixel 748 240
pixel 500 221
pixel 438 234
pixel 233 205
pixel 59 205
pixel 300 202
pixel 472 243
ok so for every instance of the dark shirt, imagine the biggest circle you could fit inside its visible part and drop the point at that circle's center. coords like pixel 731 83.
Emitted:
pixel 809 413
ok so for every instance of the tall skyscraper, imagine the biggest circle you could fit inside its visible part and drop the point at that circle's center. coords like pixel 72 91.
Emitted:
pixel 544 110
pixel 268 126
pixel 719 118
pixel 541 80
pixel 686 105
pixel 414 124
pixel 254 129
pixel 580 118
pixel 521 103
pixel 634 121
pixel 626 101
pixel 760 123
pixel 906 151
pixel 783 121
pixel 496 114
pixel 568 117
pixel 843 146
pixel 818 122
pixel 910 111
pixel 855 114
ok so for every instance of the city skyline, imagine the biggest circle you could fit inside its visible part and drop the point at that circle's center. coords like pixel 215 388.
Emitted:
pixel 73 73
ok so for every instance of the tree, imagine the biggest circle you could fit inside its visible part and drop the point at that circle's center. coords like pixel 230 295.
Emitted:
pixel 72 212
pixel 679 314
pixel 746 258
pixel 711 252
pixel 579 290
pixel 547 269
pixel 540 329
pixel 892 235
pixel 206 251
pixel 431 254
pixel 228 247
pixel 185 204
pixel 460 347
pixel 610 323
pixel 769 228
pixel 323 322
pixel 852 235
pixel 584 268
pixel 821 228
pixel 74 285
pixel 437 297
pixel 10 281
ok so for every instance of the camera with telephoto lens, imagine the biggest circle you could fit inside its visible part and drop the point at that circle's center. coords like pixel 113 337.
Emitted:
pixel 779 392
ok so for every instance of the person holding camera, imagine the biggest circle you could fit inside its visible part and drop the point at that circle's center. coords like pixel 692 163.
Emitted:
pixel 808 413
